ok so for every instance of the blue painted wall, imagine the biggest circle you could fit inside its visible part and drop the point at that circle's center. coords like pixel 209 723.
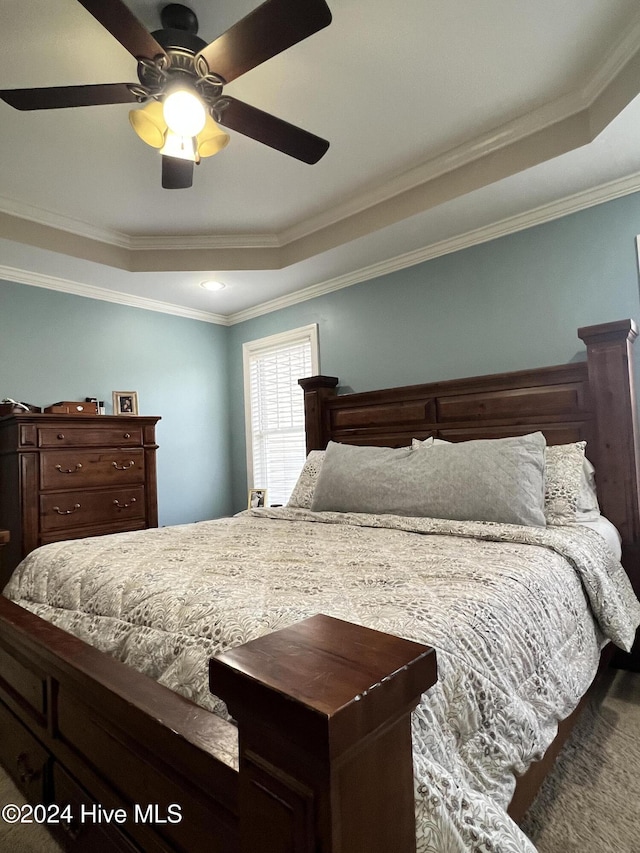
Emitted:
pixel 55 346
pixel 512 303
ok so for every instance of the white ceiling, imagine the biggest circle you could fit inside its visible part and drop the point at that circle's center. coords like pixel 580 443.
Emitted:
pixel 449 122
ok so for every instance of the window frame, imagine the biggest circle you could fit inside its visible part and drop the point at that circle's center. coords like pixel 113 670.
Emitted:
pixel 302 334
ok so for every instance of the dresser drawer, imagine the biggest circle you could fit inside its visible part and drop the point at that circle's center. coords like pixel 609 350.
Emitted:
pixel 76 469
pixel 23 756
pixel 100 435
pixel 115 526
pixel 66 510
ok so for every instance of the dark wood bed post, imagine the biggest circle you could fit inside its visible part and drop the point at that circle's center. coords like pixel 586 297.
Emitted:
pixel 323 711
pixel 610 366
pixel 316 390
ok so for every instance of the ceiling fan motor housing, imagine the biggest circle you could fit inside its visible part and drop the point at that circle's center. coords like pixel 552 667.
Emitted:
pixel 179 39
pixel 175 16
pixel 179 30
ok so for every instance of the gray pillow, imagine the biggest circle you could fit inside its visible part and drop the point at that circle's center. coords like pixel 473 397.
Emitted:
pixel 570 484
pixel 486 480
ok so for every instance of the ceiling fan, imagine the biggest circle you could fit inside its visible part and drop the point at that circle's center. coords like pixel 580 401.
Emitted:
pixel 181 79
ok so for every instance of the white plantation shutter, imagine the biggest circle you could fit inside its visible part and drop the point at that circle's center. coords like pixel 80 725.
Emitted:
pixel 274 407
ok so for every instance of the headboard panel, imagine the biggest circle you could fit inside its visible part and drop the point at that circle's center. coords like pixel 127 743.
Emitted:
pixel 592 400
pixel 553 399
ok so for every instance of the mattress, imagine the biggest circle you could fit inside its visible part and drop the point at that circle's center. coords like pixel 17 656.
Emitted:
pixel 518 616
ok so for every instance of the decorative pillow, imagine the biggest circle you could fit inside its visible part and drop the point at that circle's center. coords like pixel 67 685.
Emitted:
pixel 570 485
pixel 498 480
pixel 416 443
pixel 570 490
pixel 425 442
pixel 302 494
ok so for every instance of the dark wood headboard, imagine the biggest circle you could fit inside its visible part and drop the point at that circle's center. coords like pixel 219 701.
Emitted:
pixel 592 400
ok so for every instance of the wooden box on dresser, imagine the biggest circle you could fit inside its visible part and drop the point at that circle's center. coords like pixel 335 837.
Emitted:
pixel 70 476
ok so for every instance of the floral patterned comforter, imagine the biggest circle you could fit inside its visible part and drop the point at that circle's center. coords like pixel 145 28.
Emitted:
pixel 517 614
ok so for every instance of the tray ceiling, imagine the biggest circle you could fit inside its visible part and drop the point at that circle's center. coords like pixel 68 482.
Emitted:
pixel 446 121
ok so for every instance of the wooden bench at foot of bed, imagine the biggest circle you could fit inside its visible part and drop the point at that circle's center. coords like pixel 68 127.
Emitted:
pixel 323 740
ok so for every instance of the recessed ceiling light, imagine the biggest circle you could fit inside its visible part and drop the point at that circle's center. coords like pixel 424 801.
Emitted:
pixel 212 285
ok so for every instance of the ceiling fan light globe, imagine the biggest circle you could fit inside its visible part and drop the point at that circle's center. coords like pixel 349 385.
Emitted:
pixel 212 139
pixel 149 124
pixel 184 113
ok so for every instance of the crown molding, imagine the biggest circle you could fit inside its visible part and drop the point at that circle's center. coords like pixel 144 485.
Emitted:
pixel 443 164
pixel 203 242
pixel 90 291
pixel 57 221
pixel 131 242
pixel 511 225
pixel 614 62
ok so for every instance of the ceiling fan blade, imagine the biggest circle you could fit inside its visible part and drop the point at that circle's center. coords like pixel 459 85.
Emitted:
pixel 57 97
pixel 272 131
pixel 268 30
pixel 177 174
pixel 125 27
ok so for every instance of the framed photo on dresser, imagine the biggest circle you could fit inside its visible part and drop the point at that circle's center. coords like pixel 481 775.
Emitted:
pixel 125 402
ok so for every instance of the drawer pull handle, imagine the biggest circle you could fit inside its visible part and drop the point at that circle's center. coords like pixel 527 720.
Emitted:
pixel 124 506
pixel 66 511
pixel 26 774
pixel 69 470
pixel 124 467
pixel 127 435
pixel 60 435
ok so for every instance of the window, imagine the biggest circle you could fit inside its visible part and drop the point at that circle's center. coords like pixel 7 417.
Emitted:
pixel 274 408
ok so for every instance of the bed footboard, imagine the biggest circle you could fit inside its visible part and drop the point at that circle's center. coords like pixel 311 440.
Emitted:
pixel 323 733
pixel 323 711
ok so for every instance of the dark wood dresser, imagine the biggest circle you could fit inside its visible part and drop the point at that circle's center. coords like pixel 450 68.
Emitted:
pixel 70 476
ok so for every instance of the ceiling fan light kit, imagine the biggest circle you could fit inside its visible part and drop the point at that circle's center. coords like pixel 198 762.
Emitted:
pixel 212 139
pixel 148 122
pixel 150 125
pixel 181 79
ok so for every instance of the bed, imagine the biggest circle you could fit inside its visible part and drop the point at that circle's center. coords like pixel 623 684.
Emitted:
pixel 321 669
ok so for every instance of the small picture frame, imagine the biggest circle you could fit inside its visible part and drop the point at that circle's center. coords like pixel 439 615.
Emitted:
pixel 257 498
pixel 125 402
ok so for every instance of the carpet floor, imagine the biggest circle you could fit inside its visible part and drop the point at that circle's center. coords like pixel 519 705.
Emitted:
pixel 589 804
pixel 591 801
pixel 21 837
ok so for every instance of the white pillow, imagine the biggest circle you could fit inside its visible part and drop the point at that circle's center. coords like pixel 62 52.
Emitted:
pixel 588 506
